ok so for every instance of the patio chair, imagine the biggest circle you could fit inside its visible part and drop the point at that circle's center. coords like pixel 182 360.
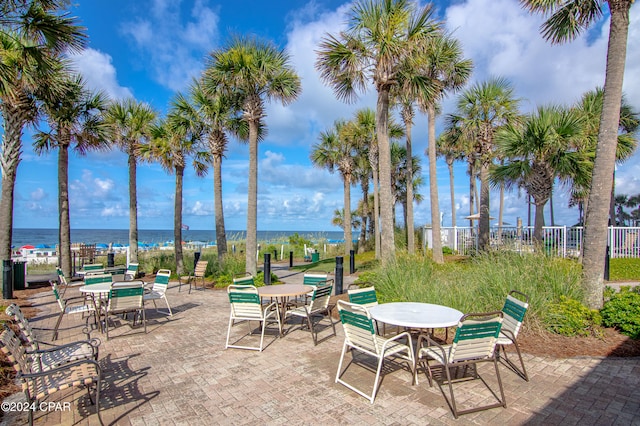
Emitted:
pixel 90 267
pixel 367 297
pixel 125 297
pixel 62 281
pixel 132 272
pixel 514 310
pixel 317 306
pixel 159 289
pixel 51 356
pixel 98 279
pixel 243 279
pixel 71 305
pixel 359 335
pixel 474 342
pixel 39 385
pixel 198 273
pixel 246 306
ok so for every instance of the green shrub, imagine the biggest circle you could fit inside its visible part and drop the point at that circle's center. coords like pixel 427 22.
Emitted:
pixel 572 318
pixel 624 268
pixel 622 311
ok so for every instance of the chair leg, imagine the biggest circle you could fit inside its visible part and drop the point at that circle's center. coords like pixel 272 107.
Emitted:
pixel 453 398
pixel 522 373
pixel 375 384
pixel 228 331
pixel 344 350
pixel 168 307
pixel 55 330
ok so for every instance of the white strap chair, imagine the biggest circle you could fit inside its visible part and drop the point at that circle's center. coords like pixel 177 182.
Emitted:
pixel 514 310
pixel 70 305
pixel 474 342
pixel 246 306
pixel 318 306
pixel 159 289
pixel 125 297
pixel 359 335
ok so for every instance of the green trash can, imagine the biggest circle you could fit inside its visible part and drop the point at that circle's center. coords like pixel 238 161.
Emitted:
pixel 315 257
pixel 19 275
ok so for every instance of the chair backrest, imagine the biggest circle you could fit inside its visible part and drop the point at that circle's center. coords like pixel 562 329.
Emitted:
pixel 476 336
pixel 243 279
pixel 365 296
pixel 126 295
pixel 321 295
pixel 358 326
pixel 132 271
pixel 14 311
pixel 245 301
pixel 56 293
pixel 201 268
pixel 98 279
pixel 161 281
pixel 314 278
pixel 61 278
pixel 92 267
pixel 514 310
pixel 16 353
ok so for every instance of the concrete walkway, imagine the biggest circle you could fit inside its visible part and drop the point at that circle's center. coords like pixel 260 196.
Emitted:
pixel 179 373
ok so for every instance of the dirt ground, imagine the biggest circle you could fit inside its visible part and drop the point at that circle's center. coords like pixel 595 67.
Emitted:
pixel 612 344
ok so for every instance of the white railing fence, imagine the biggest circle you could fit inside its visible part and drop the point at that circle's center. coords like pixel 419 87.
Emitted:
pixel 557 240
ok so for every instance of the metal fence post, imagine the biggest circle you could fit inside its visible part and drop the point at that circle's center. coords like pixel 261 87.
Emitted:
pixel 267 268
pixel 290 259
pixel 339 274
pixel 352 262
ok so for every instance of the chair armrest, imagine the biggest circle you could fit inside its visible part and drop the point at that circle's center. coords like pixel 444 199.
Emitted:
pixel 60 368
pixel 430 343
pixel 509 334
pixel 397 337
pixel 94 343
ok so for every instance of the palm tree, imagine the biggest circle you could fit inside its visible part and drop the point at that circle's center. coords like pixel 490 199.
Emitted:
pixel 211 111
pixel 447 71
pixel 172 142
pixel 590 106
pixel 382 38
pixel 131 124
pixel 540 150
pixel 337 150
pixel 32 36
pixel 253 71
pixel 363 173
pixel 74 121
pixel 568 19
pixel 446 146
pixel 363 128
pixel 481 110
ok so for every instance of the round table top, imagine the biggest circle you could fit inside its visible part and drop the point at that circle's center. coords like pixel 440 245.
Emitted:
pixel 284 290
pixel 96 288
pixel 416 315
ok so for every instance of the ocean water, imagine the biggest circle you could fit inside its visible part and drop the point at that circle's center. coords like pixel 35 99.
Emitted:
pixel 49 237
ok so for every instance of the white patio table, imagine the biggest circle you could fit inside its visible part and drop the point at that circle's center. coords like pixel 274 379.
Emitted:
pixel 416 315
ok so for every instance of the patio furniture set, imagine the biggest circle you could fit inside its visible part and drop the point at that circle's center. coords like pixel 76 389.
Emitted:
pixel 44 369
pixel 479 337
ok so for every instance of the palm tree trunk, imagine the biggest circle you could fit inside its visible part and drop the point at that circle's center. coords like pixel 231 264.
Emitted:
pixel 63 209
pixel 501 213
pixel 221 233
pixel 433 188
pixel 595 232
pixel 376 210
pixel 387 237
pixel 472 191
pixel 348 239
pixel 365 214
pixel 483 222
pixel 252 201
pixel 452 193
pixel 538 228
pixel 133 210
pixel 14 121
pixel 411 244
pixel 177 221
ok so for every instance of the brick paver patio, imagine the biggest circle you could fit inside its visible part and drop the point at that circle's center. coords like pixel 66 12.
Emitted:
pixel 180 373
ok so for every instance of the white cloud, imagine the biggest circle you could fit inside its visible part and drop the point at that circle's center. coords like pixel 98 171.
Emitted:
pixel 39 194
pixel 173 50
pixel 98 70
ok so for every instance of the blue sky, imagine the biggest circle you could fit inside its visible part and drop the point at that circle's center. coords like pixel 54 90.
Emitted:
pixel 150 50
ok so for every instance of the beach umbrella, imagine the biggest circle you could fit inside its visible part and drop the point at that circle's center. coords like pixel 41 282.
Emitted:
pixel 28 247
pixel 476 216
pixel 41 246
pixel 102 246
